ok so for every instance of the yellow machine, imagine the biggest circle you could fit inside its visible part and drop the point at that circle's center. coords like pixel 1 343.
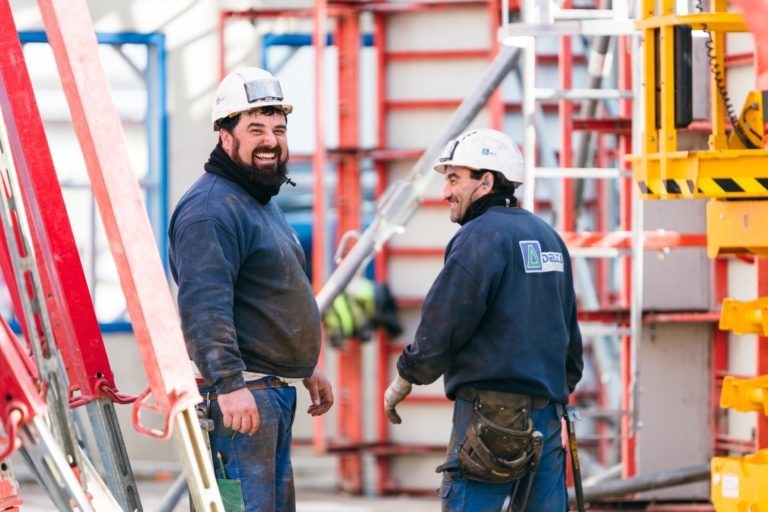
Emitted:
pixel 733 173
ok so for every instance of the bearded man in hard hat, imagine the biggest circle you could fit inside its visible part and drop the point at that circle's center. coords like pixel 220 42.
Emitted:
pixel 499 324
pixel 249 316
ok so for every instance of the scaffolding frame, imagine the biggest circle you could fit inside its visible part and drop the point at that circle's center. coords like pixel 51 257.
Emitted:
pixel 349 441
pixel 620 307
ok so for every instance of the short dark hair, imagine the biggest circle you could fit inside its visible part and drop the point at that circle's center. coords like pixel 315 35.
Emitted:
pixel 229 123
pixel 500 183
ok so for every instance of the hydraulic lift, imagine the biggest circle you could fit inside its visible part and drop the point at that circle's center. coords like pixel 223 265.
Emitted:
pixel 731 172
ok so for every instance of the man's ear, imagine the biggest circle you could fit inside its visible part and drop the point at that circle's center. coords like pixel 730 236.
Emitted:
pixel 488 181
pixel 226 140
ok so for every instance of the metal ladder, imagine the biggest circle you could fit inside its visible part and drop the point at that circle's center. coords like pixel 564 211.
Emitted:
pixel 53 454
pixel 543 18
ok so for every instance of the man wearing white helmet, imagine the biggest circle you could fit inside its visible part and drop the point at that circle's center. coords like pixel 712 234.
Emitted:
pixel 499 324
pixel 248 313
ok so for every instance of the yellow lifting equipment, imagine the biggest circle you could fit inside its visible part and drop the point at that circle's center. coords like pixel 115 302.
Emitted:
pixel 738 483
pixel 745 317
pixel 733 173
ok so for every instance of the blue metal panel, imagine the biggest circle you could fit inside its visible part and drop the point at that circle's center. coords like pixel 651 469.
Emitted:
pixel 298 40
pixel 156 125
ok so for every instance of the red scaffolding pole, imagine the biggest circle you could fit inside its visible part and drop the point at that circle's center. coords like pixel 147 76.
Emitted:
pixel 349 206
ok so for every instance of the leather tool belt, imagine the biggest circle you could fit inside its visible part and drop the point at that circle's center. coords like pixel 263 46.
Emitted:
pixel 498 444
pixel 254 385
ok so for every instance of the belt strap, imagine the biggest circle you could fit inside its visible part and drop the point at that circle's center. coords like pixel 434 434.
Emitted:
pixel 471 394
pixel 254 385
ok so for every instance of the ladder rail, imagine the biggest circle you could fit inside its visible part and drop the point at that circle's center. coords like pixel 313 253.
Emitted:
pixel 538 19
pixel 34 310
pixel 131 241
pixel 25 421
pixel 48 243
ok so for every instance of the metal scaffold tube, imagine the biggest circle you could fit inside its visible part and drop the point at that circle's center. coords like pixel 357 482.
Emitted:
pixel 644 483
pixel 401 199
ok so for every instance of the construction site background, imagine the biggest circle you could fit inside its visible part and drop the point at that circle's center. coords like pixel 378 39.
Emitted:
pixel 430 67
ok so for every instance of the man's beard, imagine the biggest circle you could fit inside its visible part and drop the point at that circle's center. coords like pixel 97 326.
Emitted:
pixel 270 176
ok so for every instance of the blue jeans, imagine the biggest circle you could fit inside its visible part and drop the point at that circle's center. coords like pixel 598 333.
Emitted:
pixel 548 491
pixel 262 462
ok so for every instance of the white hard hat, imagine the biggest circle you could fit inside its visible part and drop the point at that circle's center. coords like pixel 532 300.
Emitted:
pixel 246 89
pixel 484 149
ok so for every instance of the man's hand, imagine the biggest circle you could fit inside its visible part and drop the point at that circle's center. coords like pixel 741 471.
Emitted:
pixel 239 411
pixel 395 393
pixel 320 393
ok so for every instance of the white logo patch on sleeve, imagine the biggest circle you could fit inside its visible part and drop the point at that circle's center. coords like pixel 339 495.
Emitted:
pixel 536 261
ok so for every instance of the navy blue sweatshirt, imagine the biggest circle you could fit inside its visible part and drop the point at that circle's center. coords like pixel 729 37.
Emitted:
pixel 501 314
pixel 244 298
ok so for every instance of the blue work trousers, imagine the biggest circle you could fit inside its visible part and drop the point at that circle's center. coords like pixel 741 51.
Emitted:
pixel 548 491
pixel 262 462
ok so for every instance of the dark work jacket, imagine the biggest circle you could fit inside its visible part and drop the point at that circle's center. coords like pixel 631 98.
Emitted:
pixel 244 299
pixel 501 314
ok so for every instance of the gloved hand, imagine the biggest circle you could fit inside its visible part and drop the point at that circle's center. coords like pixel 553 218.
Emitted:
pixel 398 389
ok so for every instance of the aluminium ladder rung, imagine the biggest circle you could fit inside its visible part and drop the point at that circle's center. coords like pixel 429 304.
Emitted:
pixel 589 14
pixel 598 252
pixel 552 94
pixel 581 172
pixel 593 27
pixel 600 329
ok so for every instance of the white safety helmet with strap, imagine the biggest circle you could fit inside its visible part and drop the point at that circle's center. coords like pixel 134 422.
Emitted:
pixel 487 150
pixel 244 90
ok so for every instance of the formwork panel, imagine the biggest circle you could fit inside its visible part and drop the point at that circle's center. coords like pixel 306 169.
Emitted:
pixel 674 404
pixel 403 168
pixel 435 79
pixel 412 276
pixel 455 29
pixel 429 228
pixel 688 268
pixel 418 128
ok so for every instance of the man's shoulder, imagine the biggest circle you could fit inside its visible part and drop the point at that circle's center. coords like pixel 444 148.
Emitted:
pixel 493 221
pixel 204 201
pixel 210 185
pixel 498 227
pixel 211 196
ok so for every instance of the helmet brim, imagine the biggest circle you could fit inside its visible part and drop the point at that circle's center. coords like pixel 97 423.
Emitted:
pixel 285 107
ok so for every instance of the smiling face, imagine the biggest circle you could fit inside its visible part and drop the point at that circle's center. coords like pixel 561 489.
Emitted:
pixel 259 144
pixel 460 190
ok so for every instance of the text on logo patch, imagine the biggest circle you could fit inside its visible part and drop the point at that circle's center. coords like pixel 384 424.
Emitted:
pixel 535 261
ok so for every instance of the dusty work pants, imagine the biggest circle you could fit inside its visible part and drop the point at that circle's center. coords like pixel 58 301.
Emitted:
pixel 548 492
pixel 262 462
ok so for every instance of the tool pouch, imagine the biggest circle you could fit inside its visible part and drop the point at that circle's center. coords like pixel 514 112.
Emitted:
pixel 498 444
